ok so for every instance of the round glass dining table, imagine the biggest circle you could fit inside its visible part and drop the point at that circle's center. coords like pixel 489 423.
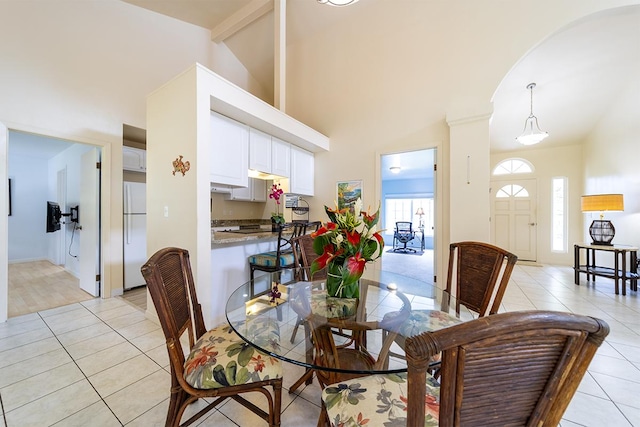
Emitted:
pixel 278 312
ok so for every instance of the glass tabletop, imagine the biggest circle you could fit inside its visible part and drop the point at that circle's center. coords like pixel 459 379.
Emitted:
pixel 278 313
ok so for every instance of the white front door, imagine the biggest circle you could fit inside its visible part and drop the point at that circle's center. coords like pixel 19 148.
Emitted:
pixel 89 269
pixel 513 217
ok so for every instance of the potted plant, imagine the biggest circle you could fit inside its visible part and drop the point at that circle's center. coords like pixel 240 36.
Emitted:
pixel 277 218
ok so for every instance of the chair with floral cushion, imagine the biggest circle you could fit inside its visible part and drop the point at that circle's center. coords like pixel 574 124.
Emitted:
pixel 517 369
pixel 220 364
pixel 478 276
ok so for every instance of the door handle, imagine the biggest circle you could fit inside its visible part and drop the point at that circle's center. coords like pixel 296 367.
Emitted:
pixel 532 223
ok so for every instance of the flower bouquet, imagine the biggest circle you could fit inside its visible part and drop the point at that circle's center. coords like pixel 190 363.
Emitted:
pixel 345 244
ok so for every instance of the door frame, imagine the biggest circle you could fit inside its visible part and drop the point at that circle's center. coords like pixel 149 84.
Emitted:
pixel 106 287
pixel 437 200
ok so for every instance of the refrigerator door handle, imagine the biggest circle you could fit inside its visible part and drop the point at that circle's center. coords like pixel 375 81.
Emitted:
pixel 127 229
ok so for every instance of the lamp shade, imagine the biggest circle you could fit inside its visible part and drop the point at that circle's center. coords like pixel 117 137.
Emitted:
pixel 420 211
pixel 602 202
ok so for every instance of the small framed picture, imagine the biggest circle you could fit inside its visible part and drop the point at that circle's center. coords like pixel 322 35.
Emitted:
pixel 347 193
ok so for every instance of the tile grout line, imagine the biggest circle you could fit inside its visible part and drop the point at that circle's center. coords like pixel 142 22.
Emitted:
pixel 80 369
pixel 4 416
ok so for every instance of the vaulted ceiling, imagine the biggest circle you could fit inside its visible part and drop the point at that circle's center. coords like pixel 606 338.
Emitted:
pixel 579 70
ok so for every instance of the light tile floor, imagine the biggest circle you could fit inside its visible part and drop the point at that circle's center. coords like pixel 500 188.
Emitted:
pixel 101 363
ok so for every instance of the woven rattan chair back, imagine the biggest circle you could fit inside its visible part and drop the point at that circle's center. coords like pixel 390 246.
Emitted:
pixel 516 369
pixel 170 282
pixel 478 275
pixel 305 255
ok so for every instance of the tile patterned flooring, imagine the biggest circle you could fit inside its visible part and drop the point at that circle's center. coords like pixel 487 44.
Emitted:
pixel 102 363
pixel 40 285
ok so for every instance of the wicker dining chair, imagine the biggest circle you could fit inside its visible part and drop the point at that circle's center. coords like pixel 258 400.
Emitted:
pixel 213 368
pixel 480 273
pixel 478 276
pixel 516 369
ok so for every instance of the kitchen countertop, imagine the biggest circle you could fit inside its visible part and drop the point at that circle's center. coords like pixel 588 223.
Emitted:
pixel 226 237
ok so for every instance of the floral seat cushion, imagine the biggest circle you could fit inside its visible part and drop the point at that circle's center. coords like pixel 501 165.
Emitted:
pixel 377 400
pixel 269 259
pixel 220 358
pixel 420 321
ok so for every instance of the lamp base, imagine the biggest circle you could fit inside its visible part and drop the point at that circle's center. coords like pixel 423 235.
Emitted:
pixel 602 232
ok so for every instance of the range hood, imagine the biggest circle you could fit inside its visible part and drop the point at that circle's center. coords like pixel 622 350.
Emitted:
pixel 263 175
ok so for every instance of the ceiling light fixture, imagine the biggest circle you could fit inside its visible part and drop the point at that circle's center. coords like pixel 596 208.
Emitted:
pixel 531 133
pixel 337 2
pixel 395 169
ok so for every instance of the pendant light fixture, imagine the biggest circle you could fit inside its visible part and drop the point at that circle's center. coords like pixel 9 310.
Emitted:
pixel 531 133
pixel 337 2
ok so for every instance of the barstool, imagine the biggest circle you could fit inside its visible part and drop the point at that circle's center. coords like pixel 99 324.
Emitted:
pixel 283 256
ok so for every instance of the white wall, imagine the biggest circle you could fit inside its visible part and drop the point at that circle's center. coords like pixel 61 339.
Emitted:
pixel 27 223
pixel 611 164
pixel 69 160
pixel 79 70
pixel 386 79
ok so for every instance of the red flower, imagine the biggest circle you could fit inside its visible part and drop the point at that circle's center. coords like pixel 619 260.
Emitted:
pixel 355 266
pixel 361 420
pixel 259 363
pixel 431 405
pixel 353 237
pixel 324 229
pixel 327 256
pixel 201 359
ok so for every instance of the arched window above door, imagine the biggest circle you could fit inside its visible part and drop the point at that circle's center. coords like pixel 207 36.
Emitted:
pixel 513 166
pixel 512 190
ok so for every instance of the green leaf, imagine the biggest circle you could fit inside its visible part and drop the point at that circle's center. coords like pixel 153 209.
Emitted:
pixel 245 355
pixel 230 372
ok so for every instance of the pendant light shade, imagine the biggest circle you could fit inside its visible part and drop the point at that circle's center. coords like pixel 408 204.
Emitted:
pixel 531 133
pixel 337 2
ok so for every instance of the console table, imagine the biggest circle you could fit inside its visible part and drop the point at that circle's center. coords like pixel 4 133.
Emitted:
pixel 622 270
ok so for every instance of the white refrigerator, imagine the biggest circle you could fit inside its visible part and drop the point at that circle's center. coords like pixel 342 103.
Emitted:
pixel 135 233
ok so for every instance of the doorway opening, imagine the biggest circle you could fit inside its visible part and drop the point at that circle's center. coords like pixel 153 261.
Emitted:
pixel 63 265
pixel 408 195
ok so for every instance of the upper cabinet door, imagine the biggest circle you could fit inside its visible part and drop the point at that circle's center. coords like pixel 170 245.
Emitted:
pixel 134 159
pixel 280 158
pixel 229 155
pixel 302 172
pixel 259 151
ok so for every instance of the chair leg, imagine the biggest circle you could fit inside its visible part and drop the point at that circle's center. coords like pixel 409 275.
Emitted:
pixel 306 378
pixel 323 419
pixel 295 329
pixel 277 403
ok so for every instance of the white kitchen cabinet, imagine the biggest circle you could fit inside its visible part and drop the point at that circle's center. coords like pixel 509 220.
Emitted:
pixel 302 172
pixel 134 159
pixel 229 151
pixel 280 158
pixel 268 155
pixel 259 151
pixel 256 191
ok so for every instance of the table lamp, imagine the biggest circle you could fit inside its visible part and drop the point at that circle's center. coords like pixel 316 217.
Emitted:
pixel 602 231
pixel 420 213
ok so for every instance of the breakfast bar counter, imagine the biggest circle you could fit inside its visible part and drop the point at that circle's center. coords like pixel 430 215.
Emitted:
pixel 227 237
